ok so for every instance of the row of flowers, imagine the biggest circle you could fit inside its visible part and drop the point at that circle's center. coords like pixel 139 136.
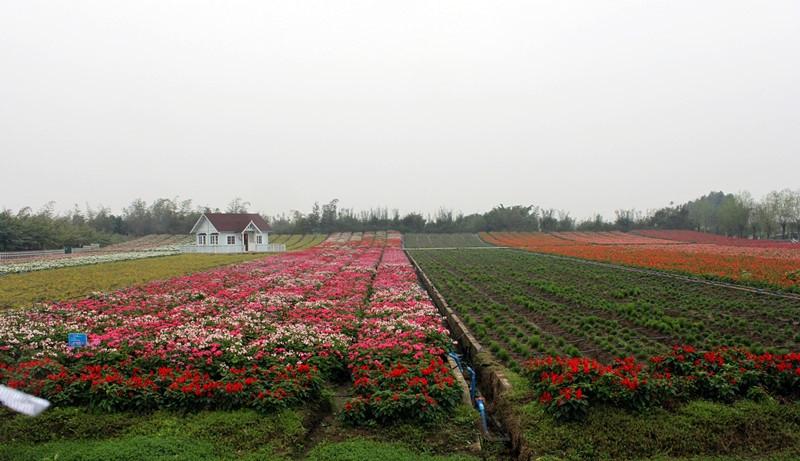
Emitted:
pixel 123 386
pixel 397 361
pixel 568 386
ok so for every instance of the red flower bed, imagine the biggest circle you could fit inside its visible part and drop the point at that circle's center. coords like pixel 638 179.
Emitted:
pixel 568 386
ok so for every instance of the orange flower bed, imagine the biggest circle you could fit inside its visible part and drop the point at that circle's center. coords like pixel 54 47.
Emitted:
pixel 773 266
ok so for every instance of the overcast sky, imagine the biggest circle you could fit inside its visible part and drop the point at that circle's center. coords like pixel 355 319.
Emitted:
pixel 586 106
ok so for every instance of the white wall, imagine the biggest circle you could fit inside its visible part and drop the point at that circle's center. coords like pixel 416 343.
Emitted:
pixel 206 227
pixel 223 238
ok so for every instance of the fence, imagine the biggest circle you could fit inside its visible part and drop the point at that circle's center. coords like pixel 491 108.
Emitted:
pixel 9 255
pixel 29 254
pixel 255 248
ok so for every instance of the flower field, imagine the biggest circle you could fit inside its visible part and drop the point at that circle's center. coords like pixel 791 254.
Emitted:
pixel 777 266
pixel 264 334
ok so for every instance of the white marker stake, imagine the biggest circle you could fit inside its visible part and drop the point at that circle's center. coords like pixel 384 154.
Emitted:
pixel 21 402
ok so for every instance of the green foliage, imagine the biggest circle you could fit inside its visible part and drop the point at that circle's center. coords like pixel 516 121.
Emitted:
pixel 155 448
pixel 26 230
pixel 73 433
pixel 556 306
pixel 359 450
pixel 746 429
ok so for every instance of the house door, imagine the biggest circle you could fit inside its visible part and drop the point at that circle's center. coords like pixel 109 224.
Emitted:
pixel 245 242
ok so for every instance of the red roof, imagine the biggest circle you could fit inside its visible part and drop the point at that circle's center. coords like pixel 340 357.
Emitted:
pixel 236 222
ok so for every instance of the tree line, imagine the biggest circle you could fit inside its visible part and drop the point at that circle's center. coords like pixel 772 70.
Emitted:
pixel 776 215
pixel 27 229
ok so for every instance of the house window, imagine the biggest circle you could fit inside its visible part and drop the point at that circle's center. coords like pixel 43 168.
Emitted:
pixel 214 239
pixel 259 240
pixel 231 239
pixel 201 239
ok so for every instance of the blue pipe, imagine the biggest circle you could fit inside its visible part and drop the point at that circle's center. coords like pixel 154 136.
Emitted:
pixel 457 358
pixel 482 410
pixel 473 383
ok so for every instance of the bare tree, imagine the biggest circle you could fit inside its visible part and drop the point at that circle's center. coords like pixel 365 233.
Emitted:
pixel 238 205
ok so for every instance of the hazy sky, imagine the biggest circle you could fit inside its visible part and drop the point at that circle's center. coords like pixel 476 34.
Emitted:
pixel 587 106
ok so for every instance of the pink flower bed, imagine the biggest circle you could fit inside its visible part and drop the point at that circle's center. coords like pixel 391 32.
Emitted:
pixel 263 334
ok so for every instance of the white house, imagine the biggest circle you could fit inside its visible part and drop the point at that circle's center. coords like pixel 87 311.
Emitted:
pixel 231 233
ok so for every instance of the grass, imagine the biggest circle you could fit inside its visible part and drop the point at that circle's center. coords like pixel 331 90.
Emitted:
pixel 72 433
pixel 75 434
pixel 359 450
pixel 18 290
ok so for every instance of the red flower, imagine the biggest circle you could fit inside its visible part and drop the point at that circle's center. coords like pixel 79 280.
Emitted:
pixel 233 388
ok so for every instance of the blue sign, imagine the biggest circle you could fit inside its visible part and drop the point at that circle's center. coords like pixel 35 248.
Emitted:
pixel 77 339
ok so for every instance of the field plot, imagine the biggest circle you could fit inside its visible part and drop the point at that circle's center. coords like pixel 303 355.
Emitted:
pixel 298 241
pixel 775 267
pixel 266 335
pixel 145 247
pixel 522 305
pixel 612 238
pixel 22 290
pixel 443 241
